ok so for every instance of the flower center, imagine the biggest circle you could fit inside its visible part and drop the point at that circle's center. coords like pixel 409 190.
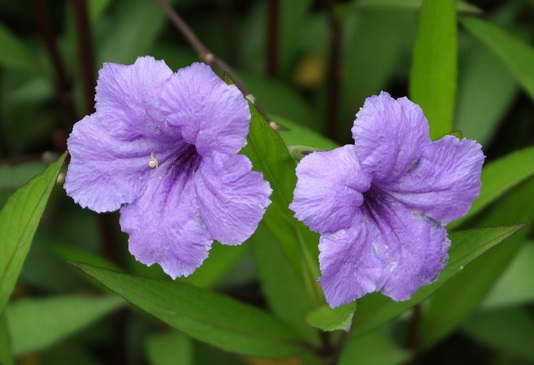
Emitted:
pixel 376 205
pixel 185 161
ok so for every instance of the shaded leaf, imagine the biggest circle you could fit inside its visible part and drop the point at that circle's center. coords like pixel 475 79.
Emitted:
pixel 203 314
pixel 374 348
pixel 15 54
pixel 6 358
pixel 169 348
pixel 516 55
pixel 36 324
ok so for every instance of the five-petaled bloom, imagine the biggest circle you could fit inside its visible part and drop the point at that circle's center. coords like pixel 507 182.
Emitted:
pixel 162 147
pixel 381 204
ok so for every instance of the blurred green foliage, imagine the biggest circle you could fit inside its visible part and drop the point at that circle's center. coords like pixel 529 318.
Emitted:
pixel 485 314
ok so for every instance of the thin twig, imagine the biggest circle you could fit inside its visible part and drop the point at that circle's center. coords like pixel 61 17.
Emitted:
pixel 334 76
pixel 204 53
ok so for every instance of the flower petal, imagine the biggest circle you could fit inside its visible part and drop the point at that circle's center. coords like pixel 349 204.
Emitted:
pixel 232 198
pixel 387 249
pixel 445 181
pixel 127 98
pixel 165 226
pixel 329 189
pixel 105 172
pixel 389 135
pixel 212 115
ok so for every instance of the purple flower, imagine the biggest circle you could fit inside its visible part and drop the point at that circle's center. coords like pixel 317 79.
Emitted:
pixel 381 204
pixel 162 147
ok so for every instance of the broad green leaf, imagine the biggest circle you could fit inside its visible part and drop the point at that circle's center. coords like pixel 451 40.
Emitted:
pixel 37 324
pixel 460 297
pixel 516 55
pixel 18 222
pixel 281 285
pixel 14 176
pixel 433 73
pixel 6 358
pixel 505 330
pixel 269 154
pixel 375 348
pixel 461 6
pixel 513 287
pixel 485 91
pixel 328 319
pixel 169 348
pixel 15 54
pixel 204 315
pixel 499 177
pixel 375 309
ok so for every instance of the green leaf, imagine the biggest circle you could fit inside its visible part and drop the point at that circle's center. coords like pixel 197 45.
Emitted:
pixel 375 309
pixel 485 92
pixel 461 6
pixel 499 177
pixel 461 296
pixel 269 154
pixel 37 324
pixel 375 348
pixel 506 330
pixel 516 55
pixel 18 222
pixel 513 287
pixel 294 134
pixel 328 319
pixel 167 348
pixel 204 315
pixel 433 74
pixel 281 285
pixel 15 54
pixel 6 358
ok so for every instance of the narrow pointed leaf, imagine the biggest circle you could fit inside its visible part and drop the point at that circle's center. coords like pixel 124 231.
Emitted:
pixel 434 67
pixel 18 222
pixel 375 309
pixel 6 358
pixel 37 324
pixel 516 55
pixel 204 315
pixel 328 319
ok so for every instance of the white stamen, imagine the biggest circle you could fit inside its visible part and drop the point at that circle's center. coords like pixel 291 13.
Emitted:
pixel 153 161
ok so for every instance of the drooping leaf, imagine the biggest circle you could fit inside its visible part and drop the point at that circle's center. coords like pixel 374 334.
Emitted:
pixel 36 324
pixel 328 319
pixel 516 55
pixel 375 309
pixel 434 67
pixel 204 315
pixel 18 222
pixel 461 6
